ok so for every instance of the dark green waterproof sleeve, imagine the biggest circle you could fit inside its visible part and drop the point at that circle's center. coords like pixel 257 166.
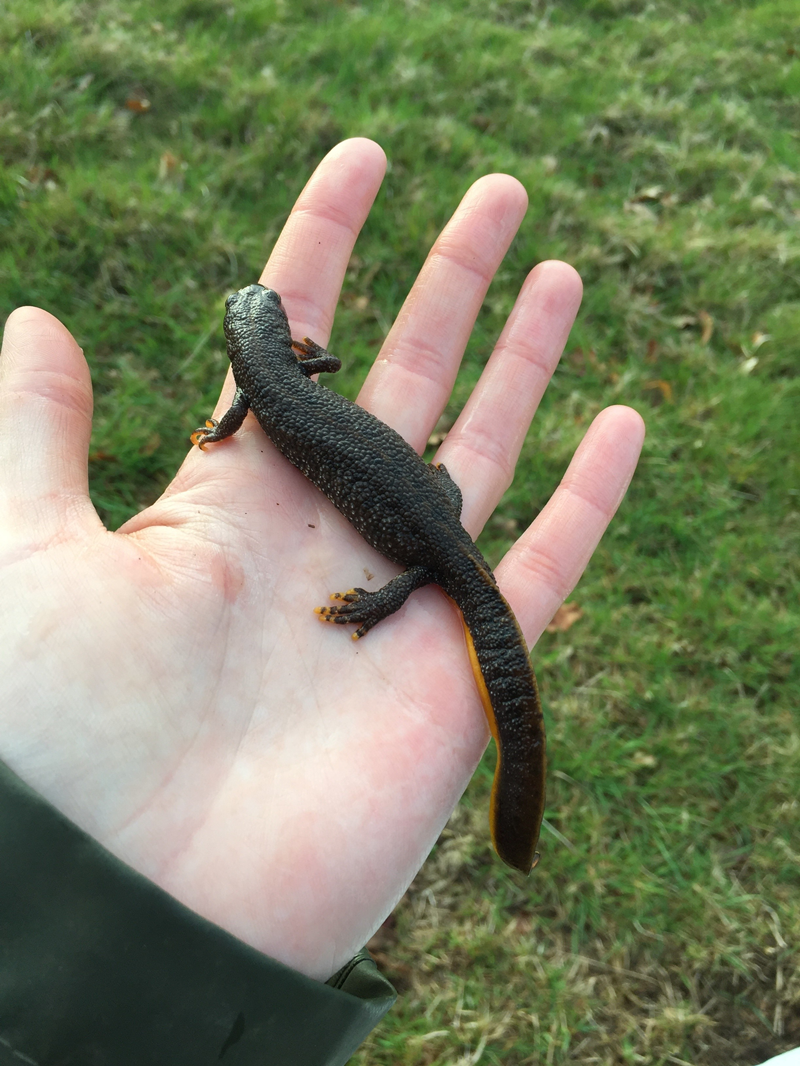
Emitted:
pixel 99 967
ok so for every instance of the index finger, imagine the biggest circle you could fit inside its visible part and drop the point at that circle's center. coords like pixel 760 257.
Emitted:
pixel 309 260
pixel 310 257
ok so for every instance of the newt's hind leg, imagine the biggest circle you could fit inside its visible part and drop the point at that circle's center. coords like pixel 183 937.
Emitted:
pixel 366 609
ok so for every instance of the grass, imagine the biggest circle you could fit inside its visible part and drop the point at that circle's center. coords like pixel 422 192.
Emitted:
pixel 658 142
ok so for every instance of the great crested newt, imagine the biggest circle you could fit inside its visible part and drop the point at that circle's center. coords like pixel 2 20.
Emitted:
pixel 410 512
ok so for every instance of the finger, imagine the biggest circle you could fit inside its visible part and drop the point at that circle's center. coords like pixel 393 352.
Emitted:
pixel 543 567
pixel 310 257
pixel 413 377
pixel 481 450
pixel 46 398
pixel 309 260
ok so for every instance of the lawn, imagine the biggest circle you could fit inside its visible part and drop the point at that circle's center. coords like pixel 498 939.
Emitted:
pixel 149 155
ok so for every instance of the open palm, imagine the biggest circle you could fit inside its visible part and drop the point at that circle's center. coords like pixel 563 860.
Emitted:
pixel 169 687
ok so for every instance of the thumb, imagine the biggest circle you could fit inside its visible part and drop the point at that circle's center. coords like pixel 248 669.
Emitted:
pixel 46 404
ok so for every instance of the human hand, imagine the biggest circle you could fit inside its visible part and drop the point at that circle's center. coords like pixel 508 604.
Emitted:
pixel 169 687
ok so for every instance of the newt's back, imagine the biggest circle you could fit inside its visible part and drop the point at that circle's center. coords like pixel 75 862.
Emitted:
pixel 370 474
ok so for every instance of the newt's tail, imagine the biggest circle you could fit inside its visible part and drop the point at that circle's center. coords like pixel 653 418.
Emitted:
pixel 507 686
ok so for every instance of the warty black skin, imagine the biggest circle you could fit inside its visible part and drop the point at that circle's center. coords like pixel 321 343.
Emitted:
pixel 410 512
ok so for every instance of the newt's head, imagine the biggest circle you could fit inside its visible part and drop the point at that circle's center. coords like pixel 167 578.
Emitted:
pixel 256 312
pixel 253 298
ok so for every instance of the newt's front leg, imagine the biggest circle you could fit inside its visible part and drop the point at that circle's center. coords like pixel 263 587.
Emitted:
pixel 227 425
pixel 312 358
